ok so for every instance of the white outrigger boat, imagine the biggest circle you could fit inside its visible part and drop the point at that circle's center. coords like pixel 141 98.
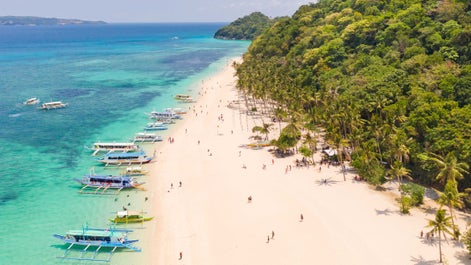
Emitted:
pixel 184 98
pixel 135 171
pixel 53 105
pixel 145 137
pixel 98 238
pixel 113 147
pixel 31 101
pixel 128 158
pixel 166 114
pixel 155 126
pixel 178 111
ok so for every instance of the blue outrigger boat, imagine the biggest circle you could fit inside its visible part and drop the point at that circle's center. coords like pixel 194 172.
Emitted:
pixel 98 238
pixel 103 183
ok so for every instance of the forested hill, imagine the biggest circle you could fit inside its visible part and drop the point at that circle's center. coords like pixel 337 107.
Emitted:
pixel 245 28
pixel 389 81
pixel 37 21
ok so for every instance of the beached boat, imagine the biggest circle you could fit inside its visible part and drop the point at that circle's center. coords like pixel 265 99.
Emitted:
pixel 184 98
pixel 139 157
pixel 156 126
pixel 102 183
pixel 164 120
pixel 98 238
pixel 166 114
pixel 178 111
pixel 135 171
pixel 124 217
pixel 113 147
pixel 147 137
pixel 31 101
pixel 53 105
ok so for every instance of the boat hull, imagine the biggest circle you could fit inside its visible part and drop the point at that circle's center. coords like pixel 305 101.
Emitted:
pixel 124 220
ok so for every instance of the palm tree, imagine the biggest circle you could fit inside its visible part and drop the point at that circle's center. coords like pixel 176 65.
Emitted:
pixel 450 168
pixel 451 197
pixel 311 142
pixel 279 114
pixel 398 171
pixel 264 129
pixel 441 225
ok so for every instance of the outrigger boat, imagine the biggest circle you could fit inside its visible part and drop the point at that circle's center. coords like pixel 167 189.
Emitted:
pixel 166 114
pixel 147 137
pixel 178 111
pixel 164 120
pixel 129 158
pixel 135 171
pixel 113 147
pixel 184 98
pixel 102 183
pixel 31 101
pixel 155 126
pixel 53 105
pixel 124 217
pixel 98 238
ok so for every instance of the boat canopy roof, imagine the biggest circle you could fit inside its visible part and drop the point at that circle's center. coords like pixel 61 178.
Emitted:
pixel 96 233
pixel 126 155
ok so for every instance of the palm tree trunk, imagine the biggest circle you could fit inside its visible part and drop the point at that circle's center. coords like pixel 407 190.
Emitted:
pixel 440 245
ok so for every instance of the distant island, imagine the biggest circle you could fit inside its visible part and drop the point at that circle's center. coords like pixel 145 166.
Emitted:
pixel 246 28
pixel 40 21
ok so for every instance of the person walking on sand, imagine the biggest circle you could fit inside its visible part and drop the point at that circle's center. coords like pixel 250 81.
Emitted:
pixel 268 239
pixel 180 184
pixel 272 234
pixel 301 218
pixel 181 255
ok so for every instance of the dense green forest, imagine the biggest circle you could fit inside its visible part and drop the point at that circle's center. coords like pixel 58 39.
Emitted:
pixel 245 28
pixel 388 80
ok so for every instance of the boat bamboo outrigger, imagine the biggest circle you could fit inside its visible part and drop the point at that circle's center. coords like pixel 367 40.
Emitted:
pixel 98 238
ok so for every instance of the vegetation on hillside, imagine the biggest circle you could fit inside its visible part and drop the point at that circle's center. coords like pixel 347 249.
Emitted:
pixel 246 28
pixel 41 21
pixel 388 81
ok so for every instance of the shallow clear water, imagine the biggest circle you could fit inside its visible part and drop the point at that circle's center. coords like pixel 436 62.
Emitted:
pixel 110 75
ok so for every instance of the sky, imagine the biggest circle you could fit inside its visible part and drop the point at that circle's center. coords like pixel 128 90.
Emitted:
pixel 135 11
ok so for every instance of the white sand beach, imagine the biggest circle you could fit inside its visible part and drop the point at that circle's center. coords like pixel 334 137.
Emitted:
pixel 209 220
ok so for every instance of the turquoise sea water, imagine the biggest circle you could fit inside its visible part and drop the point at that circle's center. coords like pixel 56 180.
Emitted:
pixel 110 75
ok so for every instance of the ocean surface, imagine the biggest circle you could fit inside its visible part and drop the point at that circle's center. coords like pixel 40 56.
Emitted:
pixel 110 75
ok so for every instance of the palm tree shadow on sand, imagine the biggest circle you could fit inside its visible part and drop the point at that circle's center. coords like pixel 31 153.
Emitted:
pixel 420 261
pixel 326 182
pixel 386 211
